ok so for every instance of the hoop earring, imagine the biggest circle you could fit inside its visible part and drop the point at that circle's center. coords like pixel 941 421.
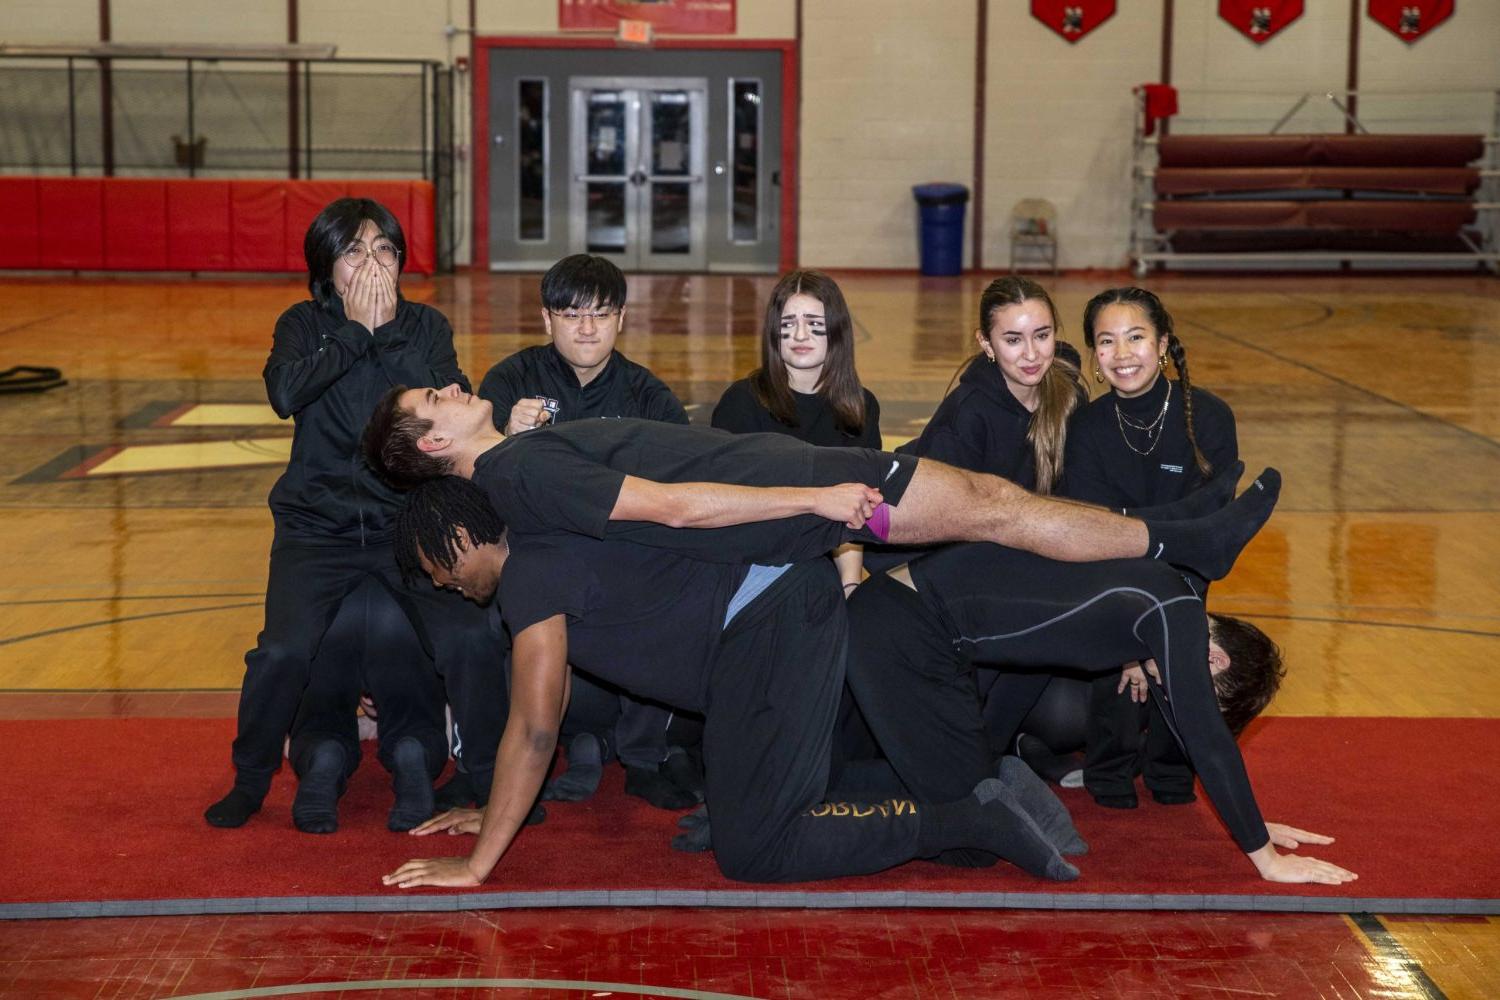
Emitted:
pixel 1098 376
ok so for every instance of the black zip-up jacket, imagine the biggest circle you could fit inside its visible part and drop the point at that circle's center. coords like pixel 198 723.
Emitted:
pixel 622 389
pixel 981 427
pixel 328 372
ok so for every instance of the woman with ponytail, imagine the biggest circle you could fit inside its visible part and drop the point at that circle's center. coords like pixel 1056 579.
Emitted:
pixel 1008 414
pixel 1150 440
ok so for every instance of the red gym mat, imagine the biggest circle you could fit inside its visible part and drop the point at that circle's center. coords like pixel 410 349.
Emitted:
pixel 104 816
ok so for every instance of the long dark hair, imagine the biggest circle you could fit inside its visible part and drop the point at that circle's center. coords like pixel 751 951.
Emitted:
pixel 1161 320
pixel 333 230
pixel 839 385
pixel 1058 394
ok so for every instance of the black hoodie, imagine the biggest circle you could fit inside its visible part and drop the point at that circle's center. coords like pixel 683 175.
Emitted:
pixel 328 372
pixel 981 427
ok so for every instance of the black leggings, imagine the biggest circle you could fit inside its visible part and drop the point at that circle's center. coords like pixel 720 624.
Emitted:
pixel 912 656
pixel 371 646
pixel 307 585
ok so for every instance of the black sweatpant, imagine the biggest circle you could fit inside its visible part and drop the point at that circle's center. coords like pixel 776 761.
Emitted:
pixel 772 696
pixel 371 646
pixel 306 587
pixel 911 660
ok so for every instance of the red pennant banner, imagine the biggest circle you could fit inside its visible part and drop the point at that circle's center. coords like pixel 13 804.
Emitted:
pixel 1258 20
pixel 1409 20
pixel 1072 18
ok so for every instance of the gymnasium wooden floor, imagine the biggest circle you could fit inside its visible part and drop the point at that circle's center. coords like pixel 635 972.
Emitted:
pixel 135 526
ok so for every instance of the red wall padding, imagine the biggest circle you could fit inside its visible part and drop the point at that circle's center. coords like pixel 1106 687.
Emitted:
pixel 198 233
pixel 135 225
pixel 117 223
pixel 20 242
pixel 70 219
pixel 1319 150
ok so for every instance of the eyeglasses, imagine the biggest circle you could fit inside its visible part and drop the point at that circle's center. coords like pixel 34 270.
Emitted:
pixel 575 316
pixel 385 255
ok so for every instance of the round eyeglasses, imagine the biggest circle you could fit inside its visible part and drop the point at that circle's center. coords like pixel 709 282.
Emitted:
pixel 385 255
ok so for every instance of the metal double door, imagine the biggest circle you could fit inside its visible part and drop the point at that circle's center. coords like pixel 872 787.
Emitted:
pixel 638 151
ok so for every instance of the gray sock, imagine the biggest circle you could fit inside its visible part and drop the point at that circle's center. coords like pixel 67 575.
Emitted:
pixel 1042 805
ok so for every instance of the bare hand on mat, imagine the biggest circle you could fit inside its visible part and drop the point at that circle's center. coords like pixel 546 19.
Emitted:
pixel 1277 867
pixel 1292 838
pixel 453 821
pixel 432 871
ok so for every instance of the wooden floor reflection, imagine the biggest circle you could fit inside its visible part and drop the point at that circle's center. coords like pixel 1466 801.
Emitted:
pixel 136 494
pixel 133 518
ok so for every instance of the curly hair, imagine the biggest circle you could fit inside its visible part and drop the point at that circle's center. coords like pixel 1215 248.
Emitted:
pixel 429 522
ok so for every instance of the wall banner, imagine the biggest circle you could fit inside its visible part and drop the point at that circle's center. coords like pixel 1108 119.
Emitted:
pixel 1409 20
pixel 668 17
pixel 1072 18
pixel 1258 20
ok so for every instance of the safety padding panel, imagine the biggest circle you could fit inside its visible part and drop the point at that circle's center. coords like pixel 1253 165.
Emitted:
pixel 198 235
pixel 70 217
pixel 20 244
pixel 257 225
pixel 135 224
pixel 187 224
pixel 421 237
pixel 304 200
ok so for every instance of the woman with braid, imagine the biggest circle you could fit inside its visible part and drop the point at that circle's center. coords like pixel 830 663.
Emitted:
pixel 1148 441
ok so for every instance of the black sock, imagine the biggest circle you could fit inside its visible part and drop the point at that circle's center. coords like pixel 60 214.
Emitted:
pixel 991 819
pixel 585 768
pixel 235 808
pixel 697 833
pixel 1123 800
pixel 657 789
pixel 1040 758
pixel 455 792
pixel 1206 499
pixel 1209 545
pixel 316 807
pixel 1042 806
pixel 684 770
pixel 412 784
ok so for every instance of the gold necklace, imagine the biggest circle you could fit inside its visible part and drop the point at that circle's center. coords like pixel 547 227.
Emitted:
pixel 1153 430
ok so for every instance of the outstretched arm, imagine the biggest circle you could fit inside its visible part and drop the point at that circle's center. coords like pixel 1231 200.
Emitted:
pixel 717 505
pixel 539 680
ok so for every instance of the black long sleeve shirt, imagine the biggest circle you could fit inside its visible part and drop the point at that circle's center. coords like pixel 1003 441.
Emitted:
pixel 622 389
pixel 327 372
pixel 739 412
pixel 1102 468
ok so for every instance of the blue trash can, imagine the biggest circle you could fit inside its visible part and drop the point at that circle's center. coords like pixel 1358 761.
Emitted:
pixel 942 230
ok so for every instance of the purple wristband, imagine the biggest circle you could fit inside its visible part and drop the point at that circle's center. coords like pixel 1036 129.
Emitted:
pixel 879 523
